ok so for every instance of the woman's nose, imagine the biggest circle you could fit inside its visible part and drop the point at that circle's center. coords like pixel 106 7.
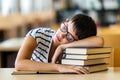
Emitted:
pixel 63 35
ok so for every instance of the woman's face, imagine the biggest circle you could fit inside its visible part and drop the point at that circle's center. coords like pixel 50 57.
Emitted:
pixel 65 34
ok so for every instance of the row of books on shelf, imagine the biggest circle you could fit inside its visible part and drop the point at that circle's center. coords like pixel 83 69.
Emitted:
pixel 92 58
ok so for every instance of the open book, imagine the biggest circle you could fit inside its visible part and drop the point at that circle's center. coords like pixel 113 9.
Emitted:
pixel 33 72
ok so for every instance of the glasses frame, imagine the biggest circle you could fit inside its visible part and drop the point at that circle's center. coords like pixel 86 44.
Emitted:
pixel 69 36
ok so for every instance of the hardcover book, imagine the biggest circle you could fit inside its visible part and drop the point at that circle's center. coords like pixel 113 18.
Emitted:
pixel 87 50
pixel 82 62
pixel 89 56
pixel 97 68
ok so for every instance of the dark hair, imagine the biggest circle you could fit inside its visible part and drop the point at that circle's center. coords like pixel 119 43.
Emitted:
pixel 84 26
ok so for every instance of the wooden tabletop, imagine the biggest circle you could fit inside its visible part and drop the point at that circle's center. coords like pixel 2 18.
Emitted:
pixel 111 74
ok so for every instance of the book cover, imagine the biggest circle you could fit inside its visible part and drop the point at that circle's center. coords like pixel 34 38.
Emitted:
pixel 87 50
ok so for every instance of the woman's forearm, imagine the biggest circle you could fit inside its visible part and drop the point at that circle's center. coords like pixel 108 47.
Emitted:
pixel 94 41
pixel 48 67
pixel 35 66
pixel 88 42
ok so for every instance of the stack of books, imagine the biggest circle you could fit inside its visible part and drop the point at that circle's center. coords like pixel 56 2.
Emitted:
pixel 91 58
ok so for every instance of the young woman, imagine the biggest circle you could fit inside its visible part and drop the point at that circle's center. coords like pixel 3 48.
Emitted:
pixel 42 47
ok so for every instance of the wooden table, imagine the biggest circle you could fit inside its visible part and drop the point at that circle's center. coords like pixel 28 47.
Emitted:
pixel 111 74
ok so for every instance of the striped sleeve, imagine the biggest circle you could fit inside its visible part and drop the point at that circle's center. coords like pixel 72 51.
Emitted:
pixel 43 37
pixel 33 32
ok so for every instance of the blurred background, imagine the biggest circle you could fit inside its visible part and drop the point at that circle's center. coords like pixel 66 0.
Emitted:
pixel 17 17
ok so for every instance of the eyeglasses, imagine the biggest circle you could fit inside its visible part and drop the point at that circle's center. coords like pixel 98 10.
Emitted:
pixel 64 29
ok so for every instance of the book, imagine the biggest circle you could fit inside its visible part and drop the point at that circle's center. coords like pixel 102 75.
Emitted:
pixel 87 50
pixel 97 68
pixel 89 56
pixel 24 72
pixel 33 72
pixel 82 62
pixel 92 59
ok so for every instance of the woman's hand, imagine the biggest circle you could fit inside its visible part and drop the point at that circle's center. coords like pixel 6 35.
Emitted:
pixel 72 69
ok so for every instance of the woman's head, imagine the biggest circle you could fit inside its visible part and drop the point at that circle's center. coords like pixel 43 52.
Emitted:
pixel 84 26
pixel 78 27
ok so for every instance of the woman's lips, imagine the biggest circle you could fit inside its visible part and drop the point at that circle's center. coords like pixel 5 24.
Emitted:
pixel 58 38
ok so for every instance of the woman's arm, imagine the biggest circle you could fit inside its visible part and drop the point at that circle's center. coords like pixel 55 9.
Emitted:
pixel 23 61
pixel 93 41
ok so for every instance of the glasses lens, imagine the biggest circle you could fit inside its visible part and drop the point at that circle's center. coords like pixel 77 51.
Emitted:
pixel 64 28
pixel 69 37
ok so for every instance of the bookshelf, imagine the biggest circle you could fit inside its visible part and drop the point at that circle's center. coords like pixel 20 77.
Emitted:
pixel 104 14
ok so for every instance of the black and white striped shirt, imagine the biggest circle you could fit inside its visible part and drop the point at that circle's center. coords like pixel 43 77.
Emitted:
pixel 43 37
